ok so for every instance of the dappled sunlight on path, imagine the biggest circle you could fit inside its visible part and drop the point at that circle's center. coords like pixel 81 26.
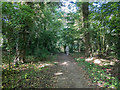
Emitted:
pixel 69 74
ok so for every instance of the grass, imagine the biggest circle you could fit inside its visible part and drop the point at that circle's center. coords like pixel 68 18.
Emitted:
pixel 99 75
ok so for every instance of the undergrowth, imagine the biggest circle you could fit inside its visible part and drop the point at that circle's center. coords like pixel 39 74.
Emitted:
pixel 27 74
pixel 98 75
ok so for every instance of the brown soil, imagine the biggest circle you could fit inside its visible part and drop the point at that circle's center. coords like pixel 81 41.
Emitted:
pixel 69 74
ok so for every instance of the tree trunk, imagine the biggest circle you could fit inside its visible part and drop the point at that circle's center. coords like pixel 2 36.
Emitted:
pixel 20 48
pixel 87 44
pixel 85 12
pixel 17 57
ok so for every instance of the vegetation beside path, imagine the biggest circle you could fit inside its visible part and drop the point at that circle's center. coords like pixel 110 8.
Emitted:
pixel 102 72
pixel 29 75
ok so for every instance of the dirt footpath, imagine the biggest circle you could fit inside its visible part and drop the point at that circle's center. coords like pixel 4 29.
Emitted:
pixel 69 74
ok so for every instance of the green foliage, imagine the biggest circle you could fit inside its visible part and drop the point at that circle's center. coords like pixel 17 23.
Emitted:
pixel 104 28
pixel 36 26
pixel 28 31
pixel 98 75
pixel 42 53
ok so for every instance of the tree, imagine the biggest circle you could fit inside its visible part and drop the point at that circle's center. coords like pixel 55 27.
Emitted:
pixel 27 27
pixel 85 12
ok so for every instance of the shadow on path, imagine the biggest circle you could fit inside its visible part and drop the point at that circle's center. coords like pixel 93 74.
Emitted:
pixel 69 74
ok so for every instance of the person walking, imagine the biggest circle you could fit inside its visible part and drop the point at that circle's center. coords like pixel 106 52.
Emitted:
pixel 67 50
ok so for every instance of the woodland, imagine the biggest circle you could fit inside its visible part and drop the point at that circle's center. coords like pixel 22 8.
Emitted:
pixel 35 34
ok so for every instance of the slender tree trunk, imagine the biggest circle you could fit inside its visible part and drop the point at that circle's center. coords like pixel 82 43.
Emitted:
pixel 17 57
pixel 24 46
pixel 79 46
pixel 20 48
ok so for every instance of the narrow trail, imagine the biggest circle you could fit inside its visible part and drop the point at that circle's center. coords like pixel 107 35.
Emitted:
pixel 69 74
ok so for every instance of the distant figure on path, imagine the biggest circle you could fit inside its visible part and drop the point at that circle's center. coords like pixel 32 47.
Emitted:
pixel 67 50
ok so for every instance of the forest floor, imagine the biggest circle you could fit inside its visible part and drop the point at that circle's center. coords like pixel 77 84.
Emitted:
pixel 63 72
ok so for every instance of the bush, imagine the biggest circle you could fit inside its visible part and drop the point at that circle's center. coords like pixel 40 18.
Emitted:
pixel 42 53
